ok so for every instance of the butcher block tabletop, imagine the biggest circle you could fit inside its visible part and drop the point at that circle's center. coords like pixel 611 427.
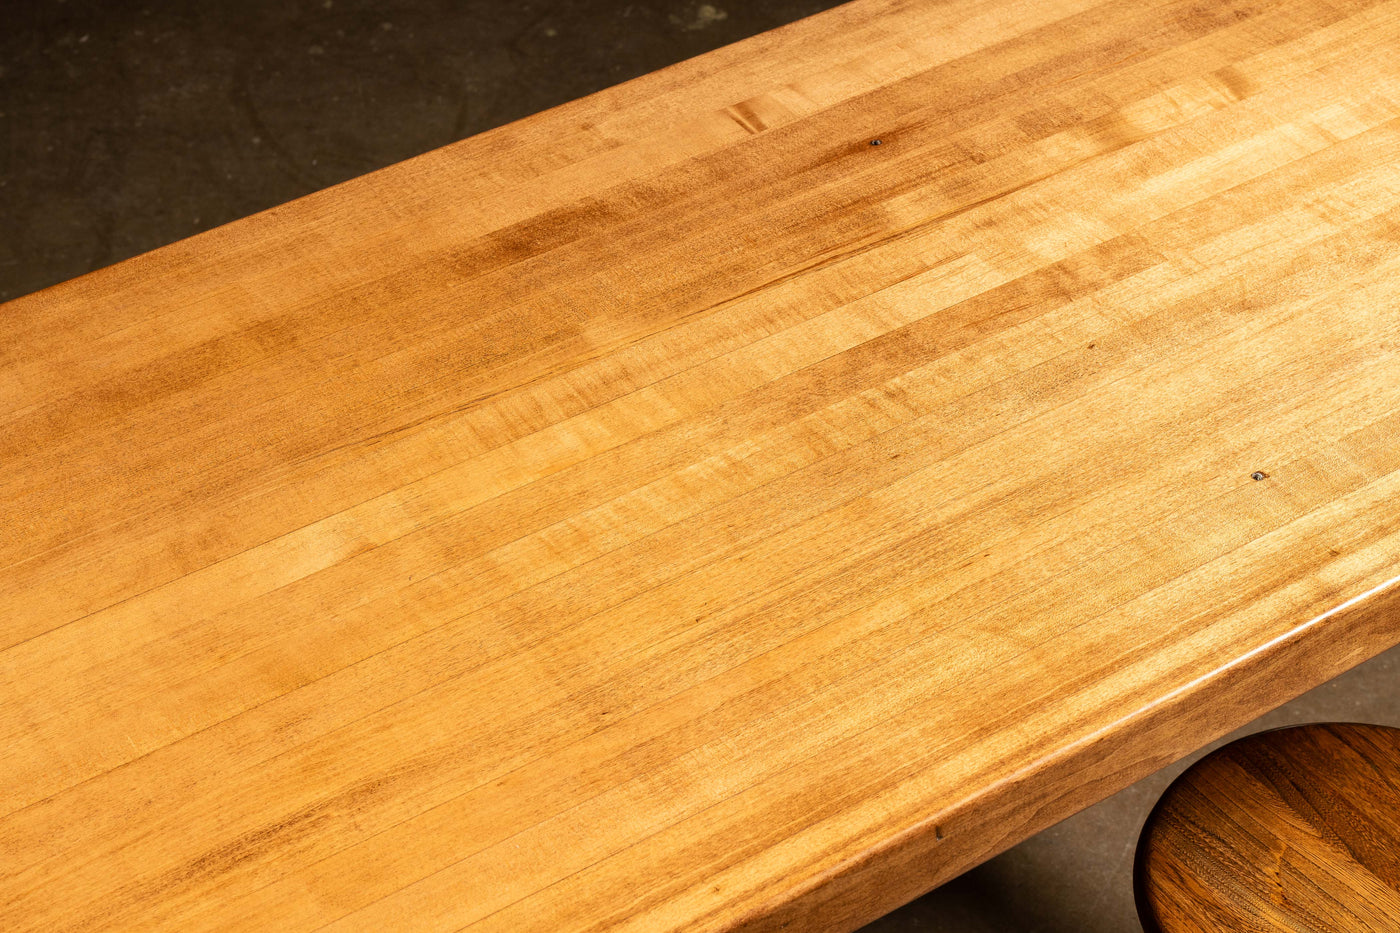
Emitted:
pixel 742 499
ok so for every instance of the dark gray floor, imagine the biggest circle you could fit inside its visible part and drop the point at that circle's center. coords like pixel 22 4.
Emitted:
pixel 124 126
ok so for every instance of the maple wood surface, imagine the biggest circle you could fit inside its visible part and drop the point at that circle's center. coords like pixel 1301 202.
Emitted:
pixel 1295 830
pixel 674 512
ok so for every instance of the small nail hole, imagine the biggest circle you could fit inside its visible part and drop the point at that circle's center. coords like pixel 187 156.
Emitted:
pixel 1258 476
pixel 877 142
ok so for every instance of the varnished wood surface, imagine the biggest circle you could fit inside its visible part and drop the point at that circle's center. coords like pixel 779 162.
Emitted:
pixel 1295 831
pixel 673 512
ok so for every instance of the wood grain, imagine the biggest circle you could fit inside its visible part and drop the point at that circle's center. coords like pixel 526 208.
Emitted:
pixel 672 512
pixel 1295 830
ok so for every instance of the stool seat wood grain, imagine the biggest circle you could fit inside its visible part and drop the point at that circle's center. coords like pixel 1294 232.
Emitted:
pixel 1291 831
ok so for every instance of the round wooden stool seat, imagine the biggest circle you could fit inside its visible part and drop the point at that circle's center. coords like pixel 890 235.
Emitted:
pixel 1296 829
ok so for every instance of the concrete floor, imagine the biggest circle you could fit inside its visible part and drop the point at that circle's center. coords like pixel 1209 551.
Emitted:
pixel 124 126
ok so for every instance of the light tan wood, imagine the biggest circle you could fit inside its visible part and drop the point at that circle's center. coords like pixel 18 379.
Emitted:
pixel 673 512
